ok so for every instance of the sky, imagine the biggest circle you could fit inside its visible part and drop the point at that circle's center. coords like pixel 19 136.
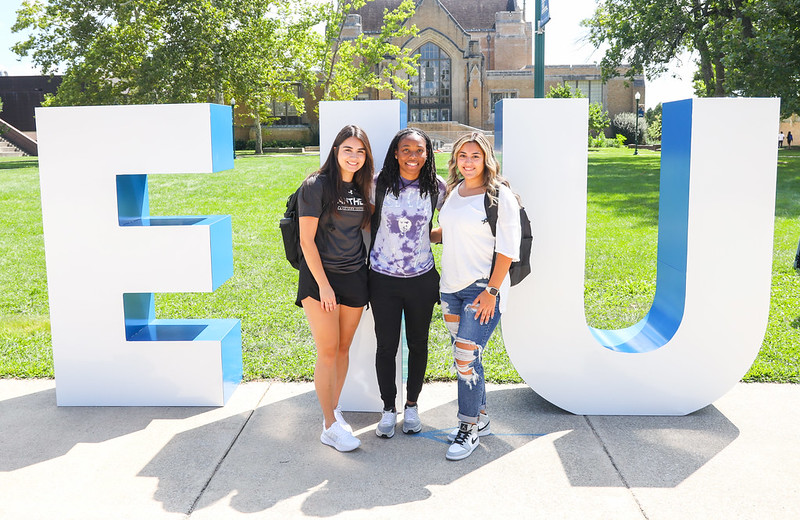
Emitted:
pixel 563 46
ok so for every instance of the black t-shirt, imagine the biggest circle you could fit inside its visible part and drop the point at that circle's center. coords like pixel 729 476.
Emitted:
pixel 339 239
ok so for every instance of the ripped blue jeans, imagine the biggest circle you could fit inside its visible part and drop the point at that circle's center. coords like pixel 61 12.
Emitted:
pixel 469 331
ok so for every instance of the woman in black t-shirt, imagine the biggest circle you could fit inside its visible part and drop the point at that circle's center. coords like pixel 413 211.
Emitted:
pixel 332 287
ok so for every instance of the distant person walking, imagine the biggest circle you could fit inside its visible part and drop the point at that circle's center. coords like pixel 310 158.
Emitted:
pixel 789 140
pixel 780 139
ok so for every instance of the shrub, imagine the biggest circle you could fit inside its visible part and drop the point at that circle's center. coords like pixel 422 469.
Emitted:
pixel 604 142
pixel 598 119
pixel 563 91
pixel 654 129
pixel 625 124
pixel 241 144
pixel 597 142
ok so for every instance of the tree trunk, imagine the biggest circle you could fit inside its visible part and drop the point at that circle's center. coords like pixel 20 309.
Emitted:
pixel 719 80
pixel 259 137
pixel 701 44
pixel 706 68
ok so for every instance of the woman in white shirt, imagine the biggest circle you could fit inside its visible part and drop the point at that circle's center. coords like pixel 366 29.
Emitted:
pixel 474 282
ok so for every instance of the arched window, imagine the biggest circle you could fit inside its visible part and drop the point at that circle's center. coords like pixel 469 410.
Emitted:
pixel 429 98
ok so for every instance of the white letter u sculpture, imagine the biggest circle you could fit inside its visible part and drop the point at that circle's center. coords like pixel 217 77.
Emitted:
pixel 714 259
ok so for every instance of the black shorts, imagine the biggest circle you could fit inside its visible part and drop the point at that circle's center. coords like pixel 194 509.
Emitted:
pixel 350 288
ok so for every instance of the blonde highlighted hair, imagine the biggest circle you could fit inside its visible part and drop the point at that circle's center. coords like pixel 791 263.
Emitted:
pixel 491 168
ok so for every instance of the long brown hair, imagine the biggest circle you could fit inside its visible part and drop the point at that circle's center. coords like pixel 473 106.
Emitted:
pixel 333 189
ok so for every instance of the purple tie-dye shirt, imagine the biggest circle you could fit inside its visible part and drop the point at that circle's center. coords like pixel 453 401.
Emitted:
pixel 402 245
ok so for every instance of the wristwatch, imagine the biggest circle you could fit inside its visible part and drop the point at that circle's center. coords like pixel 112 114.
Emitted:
pixel 492 290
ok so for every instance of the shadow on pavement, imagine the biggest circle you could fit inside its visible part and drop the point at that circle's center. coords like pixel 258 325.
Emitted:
pixel 278 457
pixel 278 463
pixel 33 429
pixel 652 452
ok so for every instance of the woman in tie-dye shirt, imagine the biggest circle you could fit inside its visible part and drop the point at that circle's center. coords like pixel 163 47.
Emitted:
pixel 403 280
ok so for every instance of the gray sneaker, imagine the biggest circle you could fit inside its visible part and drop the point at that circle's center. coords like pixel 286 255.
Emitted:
pixel 385 428
pixel 466 441
pixel 483 428
pixel 411 422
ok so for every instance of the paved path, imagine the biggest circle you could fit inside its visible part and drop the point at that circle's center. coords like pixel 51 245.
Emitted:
pixel 260 457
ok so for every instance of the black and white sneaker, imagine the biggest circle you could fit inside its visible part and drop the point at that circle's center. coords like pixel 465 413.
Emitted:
pixel 484 428
pixel 466 441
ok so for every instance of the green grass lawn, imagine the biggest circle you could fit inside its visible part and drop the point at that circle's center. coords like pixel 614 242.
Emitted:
pixel 622 217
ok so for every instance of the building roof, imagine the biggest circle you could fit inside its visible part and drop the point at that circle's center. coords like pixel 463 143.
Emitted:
pixel 472 15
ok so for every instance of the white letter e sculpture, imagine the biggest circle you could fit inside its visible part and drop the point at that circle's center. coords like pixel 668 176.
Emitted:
pixel 106 256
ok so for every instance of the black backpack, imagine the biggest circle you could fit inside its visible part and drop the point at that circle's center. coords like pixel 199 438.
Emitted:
pixel 797 258
pixel 290 229
pixel 522 268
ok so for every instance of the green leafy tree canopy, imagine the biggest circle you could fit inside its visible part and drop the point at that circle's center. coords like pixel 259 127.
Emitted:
pixel 598 118
pixel 743 47
pixel 350 66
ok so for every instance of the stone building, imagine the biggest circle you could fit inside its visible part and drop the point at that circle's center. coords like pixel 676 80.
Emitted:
pixel 473 53
pixel 616 95
pixel 476 52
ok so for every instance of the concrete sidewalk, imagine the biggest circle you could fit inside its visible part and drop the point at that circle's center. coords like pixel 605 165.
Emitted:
pixel 260 457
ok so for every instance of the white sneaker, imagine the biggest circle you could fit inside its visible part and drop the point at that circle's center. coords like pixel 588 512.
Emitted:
pixel 337 414
pixel 483 428
pixel 339 438
pixel 385 428
pixel 411 422
pixel 466 441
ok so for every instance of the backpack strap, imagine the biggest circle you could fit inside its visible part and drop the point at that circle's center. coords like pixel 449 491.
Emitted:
pixel 375 221
pixel 434 200
pixel 491 218
pixel 491 212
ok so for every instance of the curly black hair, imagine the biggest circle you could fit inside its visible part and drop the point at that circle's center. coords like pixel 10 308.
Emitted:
pixel 389 177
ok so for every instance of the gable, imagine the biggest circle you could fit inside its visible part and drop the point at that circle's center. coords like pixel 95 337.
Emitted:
pixel 471 15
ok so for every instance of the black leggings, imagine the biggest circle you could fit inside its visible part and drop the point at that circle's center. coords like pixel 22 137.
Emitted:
pixel 390 298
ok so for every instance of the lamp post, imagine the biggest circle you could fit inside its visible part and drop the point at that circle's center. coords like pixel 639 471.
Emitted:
pixel 636 136
pixel 233 126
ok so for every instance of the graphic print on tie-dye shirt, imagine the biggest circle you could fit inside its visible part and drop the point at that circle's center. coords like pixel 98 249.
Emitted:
pixel 402 245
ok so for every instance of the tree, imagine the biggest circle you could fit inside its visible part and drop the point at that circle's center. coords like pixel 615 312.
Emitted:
pixel 744 47
pixel 179 51
pixel 173 51
pixel 762 60
pixel 598 118
pixel 350 66
pixel 563 91
pixel 118 52
pixel 653 119
pixel 277 53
